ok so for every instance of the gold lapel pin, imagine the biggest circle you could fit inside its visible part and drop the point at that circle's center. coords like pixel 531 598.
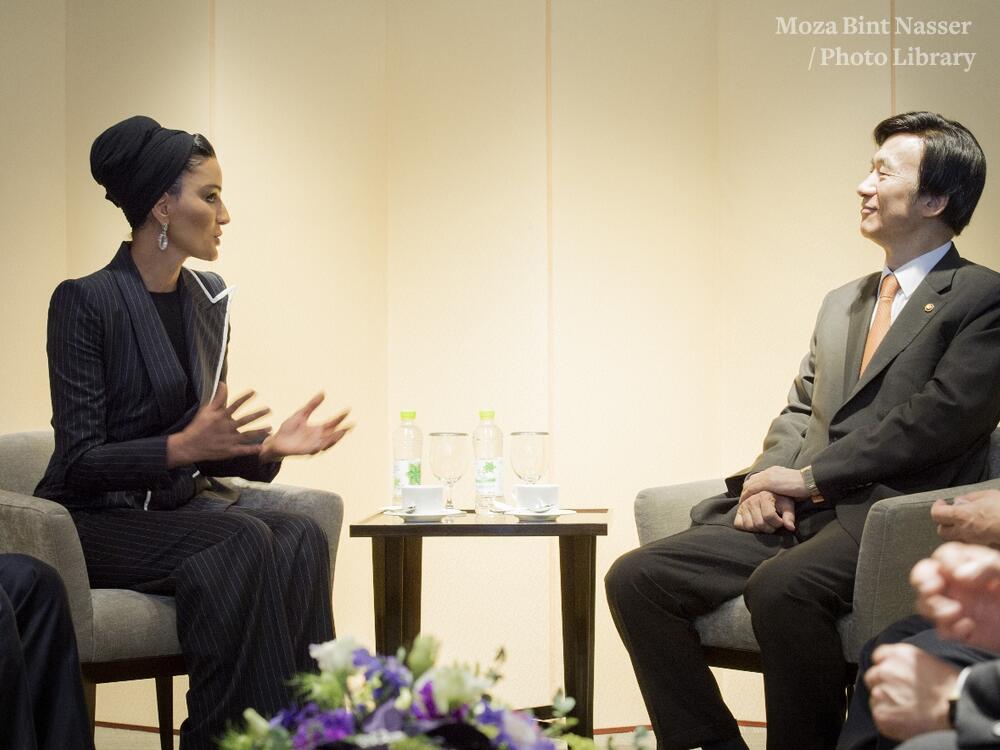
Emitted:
pixel 929 307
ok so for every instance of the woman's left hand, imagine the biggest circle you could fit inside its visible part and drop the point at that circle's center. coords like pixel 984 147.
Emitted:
pixel 296 437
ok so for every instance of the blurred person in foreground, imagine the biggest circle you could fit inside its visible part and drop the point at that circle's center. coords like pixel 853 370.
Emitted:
pixel 934 679
pixel 41 693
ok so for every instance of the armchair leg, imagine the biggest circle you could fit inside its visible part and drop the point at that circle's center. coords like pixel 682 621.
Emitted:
pixel 165 711
pixel 90 698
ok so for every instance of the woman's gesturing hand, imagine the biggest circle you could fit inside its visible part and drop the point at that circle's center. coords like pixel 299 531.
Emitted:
pixel 216 432
pixel 296 437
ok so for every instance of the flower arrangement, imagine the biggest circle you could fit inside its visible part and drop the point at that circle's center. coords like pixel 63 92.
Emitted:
pixel 401 702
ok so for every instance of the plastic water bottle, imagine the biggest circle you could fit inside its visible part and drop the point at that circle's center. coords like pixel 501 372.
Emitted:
pixel 487 442
pixel 406 449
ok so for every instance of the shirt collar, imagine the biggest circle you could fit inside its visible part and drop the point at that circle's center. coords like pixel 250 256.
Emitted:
pixel 910 275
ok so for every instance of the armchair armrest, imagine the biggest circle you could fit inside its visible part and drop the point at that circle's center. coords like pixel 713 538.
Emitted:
pixel 43 529
pixel 898 533
pixel 662 511
pixel 325 508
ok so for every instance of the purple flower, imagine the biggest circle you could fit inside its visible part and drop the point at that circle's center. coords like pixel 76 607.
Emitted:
pixel 518 730
pixel 363 658
pixel 287 718
pixel 392 676
pixel 386 717
pixel 490 716
pixel 423 703
pixel 317 728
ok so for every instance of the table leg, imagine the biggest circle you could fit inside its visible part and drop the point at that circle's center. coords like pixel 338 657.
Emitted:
pixel 577 569
pixel 396 572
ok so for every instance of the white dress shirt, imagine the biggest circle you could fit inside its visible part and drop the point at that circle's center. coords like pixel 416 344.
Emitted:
pixel 910 275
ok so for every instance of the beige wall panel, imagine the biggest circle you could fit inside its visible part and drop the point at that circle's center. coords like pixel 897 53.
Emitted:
pixel 794 143
pixel 467 293
pixel 385 166
pixel 122 59
pixel 966 96
pixel 299 119
pixel 635 235
pixel 299 124
pixel 32 199
pixel 125 58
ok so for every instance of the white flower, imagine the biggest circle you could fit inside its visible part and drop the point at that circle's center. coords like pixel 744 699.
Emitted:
pixel 521 728
pixel 453 686
pixel 378 738
pixel 335 657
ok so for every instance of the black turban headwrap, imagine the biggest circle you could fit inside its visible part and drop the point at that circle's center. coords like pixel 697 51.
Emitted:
pixel 136 161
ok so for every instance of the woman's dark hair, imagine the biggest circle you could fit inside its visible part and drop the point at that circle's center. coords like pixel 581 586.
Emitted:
pixel 200 150
pixel 953 164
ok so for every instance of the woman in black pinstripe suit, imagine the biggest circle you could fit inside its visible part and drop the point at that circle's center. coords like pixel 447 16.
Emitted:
pixel 143 426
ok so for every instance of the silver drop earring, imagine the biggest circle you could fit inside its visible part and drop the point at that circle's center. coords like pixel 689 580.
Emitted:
pixel 162 241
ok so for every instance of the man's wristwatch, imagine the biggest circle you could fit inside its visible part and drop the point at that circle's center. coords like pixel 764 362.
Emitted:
pixel 956 693
pixel 810 482
pixel 952 709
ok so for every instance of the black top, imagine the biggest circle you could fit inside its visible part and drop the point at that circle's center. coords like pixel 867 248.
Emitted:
pixel 168 306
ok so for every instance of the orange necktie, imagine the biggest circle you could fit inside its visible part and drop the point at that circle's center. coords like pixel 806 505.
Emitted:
pixel 883 318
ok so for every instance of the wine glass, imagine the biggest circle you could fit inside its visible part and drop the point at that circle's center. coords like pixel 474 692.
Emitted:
pixel 449 459
pixel 529 455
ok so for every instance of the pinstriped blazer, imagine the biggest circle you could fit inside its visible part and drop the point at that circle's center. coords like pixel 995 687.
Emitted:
pixel 118 389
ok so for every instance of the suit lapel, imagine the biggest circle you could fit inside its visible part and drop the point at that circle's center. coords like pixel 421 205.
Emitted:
pixel 206 320
pixel 164 370
pixel 162 366
pixel 927 301
pixel 859 317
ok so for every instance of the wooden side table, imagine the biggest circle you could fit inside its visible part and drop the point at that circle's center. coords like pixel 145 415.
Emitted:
pixel 397 547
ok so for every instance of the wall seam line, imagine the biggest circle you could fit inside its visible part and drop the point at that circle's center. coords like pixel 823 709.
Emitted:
pixel 892 57
pixel 211 70
pixel 549 243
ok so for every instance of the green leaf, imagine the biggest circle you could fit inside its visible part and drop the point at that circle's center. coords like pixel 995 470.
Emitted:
pixel 324 689
pixel 256 737
pixel 422 656
pixel 420 742
pixel 413 473
pixel 562 704
pixel 642 737
pixel 576 742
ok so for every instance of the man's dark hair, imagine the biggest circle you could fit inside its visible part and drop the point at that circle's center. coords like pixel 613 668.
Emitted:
pixel 953 163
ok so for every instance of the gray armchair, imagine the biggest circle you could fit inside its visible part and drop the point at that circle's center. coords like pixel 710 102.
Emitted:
pixel 898 533
pixel 121 634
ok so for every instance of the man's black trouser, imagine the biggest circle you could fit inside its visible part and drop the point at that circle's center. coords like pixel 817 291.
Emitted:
pixel 41 693
pixel 796 586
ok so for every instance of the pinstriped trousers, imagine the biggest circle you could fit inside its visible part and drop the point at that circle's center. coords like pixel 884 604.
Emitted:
pixel 252 589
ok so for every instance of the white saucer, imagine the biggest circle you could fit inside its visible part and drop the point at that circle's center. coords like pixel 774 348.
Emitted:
pixel 436 515
pixel 546 515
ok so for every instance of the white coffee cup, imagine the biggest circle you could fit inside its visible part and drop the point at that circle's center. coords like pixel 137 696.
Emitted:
pixel 423 498
pixel 536 497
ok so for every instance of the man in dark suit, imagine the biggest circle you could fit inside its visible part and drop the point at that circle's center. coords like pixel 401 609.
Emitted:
pixel 897 394
pixel 41 694
pixel 917 687
pixel 941 703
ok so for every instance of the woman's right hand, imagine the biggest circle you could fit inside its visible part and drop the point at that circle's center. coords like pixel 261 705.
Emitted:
pixel 214 434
